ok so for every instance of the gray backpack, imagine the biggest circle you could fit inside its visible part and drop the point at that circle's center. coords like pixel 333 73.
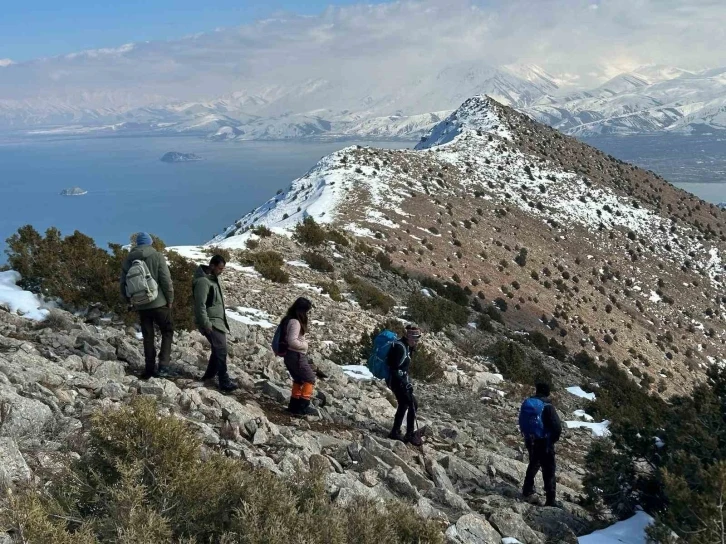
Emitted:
pixel 141 287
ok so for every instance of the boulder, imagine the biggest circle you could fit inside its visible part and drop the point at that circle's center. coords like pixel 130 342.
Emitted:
pixel 463 471
pixel 473 529
pixel 113 391
pixel 438 474
pixel 110 370
pixel 21 417
pixel 274 391
pixel 13 467
pixel 511 524
pixel 126 351
pixel 398 483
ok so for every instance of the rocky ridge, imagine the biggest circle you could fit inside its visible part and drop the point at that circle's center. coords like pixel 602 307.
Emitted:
pixel 53 375
pixel 570 242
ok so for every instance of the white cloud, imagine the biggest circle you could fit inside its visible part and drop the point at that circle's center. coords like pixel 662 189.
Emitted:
pixel 5 62
pixel 377 49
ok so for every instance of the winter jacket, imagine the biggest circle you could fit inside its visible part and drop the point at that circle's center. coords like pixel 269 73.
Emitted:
pixel 551 421
pixel 399 359
pixel 159 270
pixel 295 339
pixel 209 301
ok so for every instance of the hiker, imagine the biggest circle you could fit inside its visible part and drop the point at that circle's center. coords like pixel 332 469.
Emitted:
pixel 210 317
pixel 399 359
pixel 146 286
pixel 540 425
pixel 294 327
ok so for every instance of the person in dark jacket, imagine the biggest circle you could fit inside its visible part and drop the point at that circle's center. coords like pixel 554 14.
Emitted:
pixel 211 318
pixel 399 360
pixel 296 358
pixel 542 450
pixel 158 311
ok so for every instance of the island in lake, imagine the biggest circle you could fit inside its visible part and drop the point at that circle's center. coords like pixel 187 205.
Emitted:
pixel 73 191
pixel 175 156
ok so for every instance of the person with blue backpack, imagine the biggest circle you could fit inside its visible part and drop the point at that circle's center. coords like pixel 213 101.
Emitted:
pixel 398 361
pixel 541 427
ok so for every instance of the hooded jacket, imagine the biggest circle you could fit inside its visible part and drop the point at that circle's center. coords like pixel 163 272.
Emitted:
pixel 159 270
pixel 209 301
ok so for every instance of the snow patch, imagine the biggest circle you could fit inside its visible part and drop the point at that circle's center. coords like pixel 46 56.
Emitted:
pixel 18 301
pixel 358 372
pixel 598 429
pixel 630 531
pixel 251 316
pixel 579 392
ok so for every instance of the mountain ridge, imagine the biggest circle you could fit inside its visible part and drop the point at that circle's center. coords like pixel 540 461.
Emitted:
pixel 617 256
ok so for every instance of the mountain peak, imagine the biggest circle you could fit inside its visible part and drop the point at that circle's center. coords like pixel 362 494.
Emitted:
pixel 481 114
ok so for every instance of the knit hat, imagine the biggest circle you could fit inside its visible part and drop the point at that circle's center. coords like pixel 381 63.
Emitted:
pixel 143 239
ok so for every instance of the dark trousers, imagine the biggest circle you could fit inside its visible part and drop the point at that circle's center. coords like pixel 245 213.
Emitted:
pixel 407 407
pixel 298 366
pixel 541 455
pixel 161 317
pixel 218 358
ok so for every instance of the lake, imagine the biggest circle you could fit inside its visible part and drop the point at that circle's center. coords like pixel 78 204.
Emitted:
pixel 131 190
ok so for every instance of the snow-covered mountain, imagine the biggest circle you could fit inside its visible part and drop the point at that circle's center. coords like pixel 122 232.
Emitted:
pixel 607 248
pixel 644 102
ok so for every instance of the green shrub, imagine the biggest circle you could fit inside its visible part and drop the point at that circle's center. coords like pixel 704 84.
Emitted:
pixel 384 260
pixel 253 244
pixel 448 290
pixel 225 253
pixel 268 264
pixel 310 233
pixel 436 312
pixel 317 262
pixel 515 365
pixel 338 237
pixel 262 231
pixel 424 365
pixel 142 479
pixel 76 271
pixel 369 296
pixel 331 289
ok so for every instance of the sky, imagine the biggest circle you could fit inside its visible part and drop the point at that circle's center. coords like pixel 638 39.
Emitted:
pixel 46 28
pixel 97 54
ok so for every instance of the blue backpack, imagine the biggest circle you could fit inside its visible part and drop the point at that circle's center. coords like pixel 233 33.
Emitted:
pixel 378 361
pixel 530 418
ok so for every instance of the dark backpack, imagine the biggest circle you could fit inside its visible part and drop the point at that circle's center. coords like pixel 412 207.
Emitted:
pixel 279 341
pixel 530 418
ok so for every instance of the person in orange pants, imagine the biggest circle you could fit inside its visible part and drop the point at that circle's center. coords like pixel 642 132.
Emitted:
pixel 296 358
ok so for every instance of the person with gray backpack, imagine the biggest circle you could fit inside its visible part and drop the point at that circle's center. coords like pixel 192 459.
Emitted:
pixel 147 287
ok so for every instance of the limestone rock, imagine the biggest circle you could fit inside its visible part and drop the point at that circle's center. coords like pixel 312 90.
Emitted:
pixel 473 529
pixel 511 524
pixel 13 467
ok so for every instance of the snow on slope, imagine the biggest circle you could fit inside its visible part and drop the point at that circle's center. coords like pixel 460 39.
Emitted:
pixel 18 301
pixel 359 188
pixel 630 531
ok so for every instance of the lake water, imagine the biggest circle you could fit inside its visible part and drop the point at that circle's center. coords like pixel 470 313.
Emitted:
pixel 130 189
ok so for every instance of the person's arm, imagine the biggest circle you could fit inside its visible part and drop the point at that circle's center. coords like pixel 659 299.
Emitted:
pixel 165 283
pixel 552 423
pixel 201 290
pixel 396 356
pixel 293 337
pixel 122 282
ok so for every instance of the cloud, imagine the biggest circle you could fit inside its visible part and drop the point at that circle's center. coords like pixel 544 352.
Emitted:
pixel 379 48
pixel 5 62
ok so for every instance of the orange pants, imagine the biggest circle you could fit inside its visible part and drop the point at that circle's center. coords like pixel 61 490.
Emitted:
pixel 302 390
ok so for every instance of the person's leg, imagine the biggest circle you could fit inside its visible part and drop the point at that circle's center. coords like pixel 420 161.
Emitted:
pixel 532 469
pixel 295 395
pixel 163 319
pixel 220 350
pixel 308 377
pixel 211 371
pixel 411 417
pixel 402 400
pixel 146 318
pixel 548 475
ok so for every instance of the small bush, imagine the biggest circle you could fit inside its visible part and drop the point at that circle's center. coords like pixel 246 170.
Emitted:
pixel 384 260
pixel 331 289
pixel 515 365
pixel 253 244
pixel 369 296
pixel 143 479
pixel 424 366
pixel 262 231
pixel 338 237
pixel 310 233
pixel 448 290
pixel 268 264
pixel 222 252
pixel 317 262
pixel 57 320
pixel 436 312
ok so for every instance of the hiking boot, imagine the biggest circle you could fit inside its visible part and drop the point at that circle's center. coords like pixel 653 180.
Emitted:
pixel 294 406
pixel 207 377
pixel 227 386
pixel 413 439
pixel 396 435
pixel 304 409
pixel 148 375
pixel 552 503
pixel 166 372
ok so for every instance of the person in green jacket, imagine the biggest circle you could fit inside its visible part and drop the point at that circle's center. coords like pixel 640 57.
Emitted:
pixel 210 317
pixel 158 311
